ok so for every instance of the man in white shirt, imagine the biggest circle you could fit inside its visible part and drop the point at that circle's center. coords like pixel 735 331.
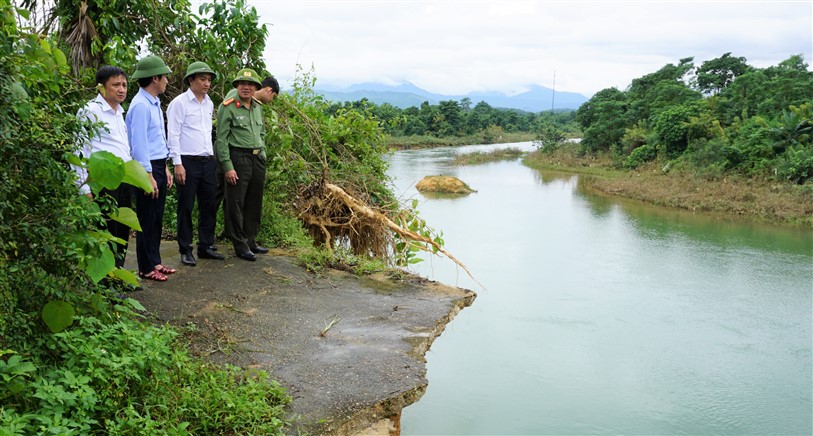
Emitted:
pixel 111 136
pixel 189 134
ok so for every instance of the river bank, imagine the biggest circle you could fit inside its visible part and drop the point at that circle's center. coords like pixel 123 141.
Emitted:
pixel 423 141
pixel 349 350
pixel 747 198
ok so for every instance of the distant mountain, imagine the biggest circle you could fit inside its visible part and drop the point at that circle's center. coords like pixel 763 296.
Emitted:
pixel 405 94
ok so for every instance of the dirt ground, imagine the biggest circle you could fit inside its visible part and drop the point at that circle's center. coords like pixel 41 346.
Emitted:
pixel 273 315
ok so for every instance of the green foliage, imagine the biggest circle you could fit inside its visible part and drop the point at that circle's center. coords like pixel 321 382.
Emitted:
pixel 307 142
pixel 756 122
pixel 317 259
pixel 716 74
pixel 767 92
pixel 603 119
pixel 102 372
pixel 406 251
pixel 130 378
pixel 671 128
pixel 634 137
pixel 480 157
pixel 456 119
pixel 43 233
pixel 641 155
pixel 549 138
pixel 707 157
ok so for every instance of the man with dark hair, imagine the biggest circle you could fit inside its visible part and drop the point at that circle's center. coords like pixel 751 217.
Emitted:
pixel 268 90
pixel 189 133
pixel 111 82
pixel 148 145
pixel 241 154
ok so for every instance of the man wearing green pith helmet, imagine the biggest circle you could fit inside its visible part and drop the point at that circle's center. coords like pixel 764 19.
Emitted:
pixel 148 145
pixel 240 150
pixel 189 134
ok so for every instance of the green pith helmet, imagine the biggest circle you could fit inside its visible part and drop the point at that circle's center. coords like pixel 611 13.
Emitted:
pixel 150 66
pixel 198 68
pixel 247 75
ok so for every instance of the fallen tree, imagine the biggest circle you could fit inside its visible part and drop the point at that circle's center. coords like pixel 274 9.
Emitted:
pixel 333 216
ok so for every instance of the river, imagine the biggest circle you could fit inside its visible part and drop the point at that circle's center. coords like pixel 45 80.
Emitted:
pixel 602 316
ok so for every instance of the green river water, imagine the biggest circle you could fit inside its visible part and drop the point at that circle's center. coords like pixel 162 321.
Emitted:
pixel 604 316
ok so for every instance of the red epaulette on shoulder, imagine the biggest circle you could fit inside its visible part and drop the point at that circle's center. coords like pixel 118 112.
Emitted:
pixel 227 101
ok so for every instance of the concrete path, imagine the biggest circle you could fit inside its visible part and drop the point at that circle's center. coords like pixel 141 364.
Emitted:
pixel 273 315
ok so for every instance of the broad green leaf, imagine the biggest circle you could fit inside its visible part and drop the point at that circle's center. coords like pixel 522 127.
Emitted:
pixel 128 217
pixel 58 315
pixel 97 302
pixel 125 275
pixel 132 302
pixel 102 236
pixel 25 13
pixel 45 45
pixel 16 386
pixel 73 159
pixel 61 60
pixel 106 168
pixel 98 267
pixel 135 175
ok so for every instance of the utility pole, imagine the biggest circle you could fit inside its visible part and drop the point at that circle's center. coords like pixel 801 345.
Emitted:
pixel 553 95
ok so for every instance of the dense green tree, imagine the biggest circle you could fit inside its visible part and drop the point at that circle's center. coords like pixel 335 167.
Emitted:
pixel 480 117
pixel 640 92
pixel 716 74
pixel 671 128
pixel 451 118
pixel 767 91
pixel 755 121
pixel 603 119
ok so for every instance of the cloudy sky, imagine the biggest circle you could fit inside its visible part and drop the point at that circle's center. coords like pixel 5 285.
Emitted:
pixel 456 47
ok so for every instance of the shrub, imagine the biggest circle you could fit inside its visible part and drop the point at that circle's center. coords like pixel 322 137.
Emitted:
pixel 641 155
pixel 796 164
pixel 131 378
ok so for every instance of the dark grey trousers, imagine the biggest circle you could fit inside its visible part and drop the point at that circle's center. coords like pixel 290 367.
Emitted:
pixel 243 203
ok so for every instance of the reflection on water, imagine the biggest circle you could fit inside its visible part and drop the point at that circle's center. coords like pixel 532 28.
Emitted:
pixel 605 316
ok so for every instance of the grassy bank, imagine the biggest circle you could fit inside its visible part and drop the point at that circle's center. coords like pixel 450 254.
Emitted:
pixel 423 141
pixel 480 157
pixel 762 200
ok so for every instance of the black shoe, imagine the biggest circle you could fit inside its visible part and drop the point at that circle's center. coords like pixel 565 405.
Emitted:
pixel 188 259
pixel 213 247
pixel 247 255
pixel 208 253
pixel 259 250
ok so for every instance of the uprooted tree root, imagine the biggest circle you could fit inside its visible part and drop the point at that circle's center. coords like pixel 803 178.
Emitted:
pixel 332 215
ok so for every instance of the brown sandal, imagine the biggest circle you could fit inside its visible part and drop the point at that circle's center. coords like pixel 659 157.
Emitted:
pixel 153 275
pixel 165 269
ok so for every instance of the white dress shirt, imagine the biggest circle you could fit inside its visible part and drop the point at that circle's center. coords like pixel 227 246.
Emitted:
pixel 189 126
pixel 112 136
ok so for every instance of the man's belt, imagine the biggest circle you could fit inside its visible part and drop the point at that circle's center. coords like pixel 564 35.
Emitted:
pixel 200 158
pixel 247 150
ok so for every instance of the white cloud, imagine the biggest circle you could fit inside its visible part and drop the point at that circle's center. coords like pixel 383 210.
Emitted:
pixel 455 47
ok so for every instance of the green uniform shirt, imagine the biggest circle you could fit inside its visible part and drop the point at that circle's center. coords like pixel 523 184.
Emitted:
pixel 238 127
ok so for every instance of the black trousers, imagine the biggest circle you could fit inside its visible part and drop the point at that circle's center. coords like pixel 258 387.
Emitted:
pixel 201 184
pixel 243 203
pixel 150 213
pixel 122 197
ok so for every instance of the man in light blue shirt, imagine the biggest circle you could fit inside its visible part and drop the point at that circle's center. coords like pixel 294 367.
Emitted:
pixel 148 145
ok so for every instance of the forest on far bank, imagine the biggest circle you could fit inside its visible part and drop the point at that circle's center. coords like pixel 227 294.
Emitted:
pixel 717 118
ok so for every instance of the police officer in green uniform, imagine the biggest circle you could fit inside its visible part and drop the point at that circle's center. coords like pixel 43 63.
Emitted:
pixel 240 150
pixel 269 90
